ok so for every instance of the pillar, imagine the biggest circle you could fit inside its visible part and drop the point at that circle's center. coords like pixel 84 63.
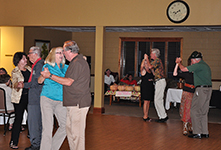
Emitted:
pixel 99 74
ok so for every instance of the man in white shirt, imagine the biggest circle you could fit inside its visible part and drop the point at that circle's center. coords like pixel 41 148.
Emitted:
pixel 108 80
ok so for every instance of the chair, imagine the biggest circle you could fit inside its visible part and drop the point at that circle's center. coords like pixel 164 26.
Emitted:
pixel 3 110
pixel 116 76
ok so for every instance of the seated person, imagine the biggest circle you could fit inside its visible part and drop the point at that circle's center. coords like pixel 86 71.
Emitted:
pixel 3 71
pixel 108 80
pixel 128 79
pixel 4 82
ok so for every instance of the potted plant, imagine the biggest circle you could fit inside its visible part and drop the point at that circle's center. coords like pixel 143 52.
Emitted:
pixel 44 52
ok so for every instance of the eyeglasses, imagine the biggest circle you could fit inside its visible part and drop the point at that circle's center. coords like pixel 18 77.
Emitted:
pixel 31 53
pixel 59 53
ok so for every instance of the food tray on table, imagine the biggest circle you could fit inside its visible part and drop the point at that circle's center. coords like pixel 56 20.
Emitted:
pixel 133 96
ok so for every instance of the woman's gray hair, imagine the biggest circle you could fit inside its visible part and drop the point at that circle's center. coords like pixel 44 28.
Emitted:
pixel 72 46
pixel 36 50
pixel 156 51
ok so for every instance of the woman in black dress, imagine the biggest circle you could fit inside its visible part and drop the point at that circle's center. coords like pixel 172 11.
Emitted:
pixel 147 87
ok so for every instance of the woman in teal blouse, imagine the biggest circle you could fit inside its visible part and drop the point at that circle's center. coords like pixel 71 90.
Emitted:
pixel 52 101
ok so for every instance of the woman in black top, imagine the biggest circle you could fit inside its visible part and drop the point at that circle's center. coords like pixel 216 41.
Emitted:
pixel 147 87
pixel 19 96
pixel 187 95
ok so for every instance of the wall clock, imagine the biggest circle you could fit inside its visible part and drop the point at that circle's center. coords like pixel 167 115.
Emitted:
pixel 178 11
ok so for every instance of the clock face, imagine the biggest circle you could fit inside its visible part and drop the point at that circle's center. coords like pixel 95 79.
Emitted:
pixel 178 11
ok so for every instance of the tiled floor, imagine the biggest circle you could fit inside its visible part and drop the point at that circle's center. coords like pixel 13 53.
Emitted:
pixel 127 108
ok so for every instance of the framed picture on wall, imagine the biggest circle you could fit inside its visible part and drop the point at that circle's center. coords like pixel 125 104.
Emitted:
pixel 45 47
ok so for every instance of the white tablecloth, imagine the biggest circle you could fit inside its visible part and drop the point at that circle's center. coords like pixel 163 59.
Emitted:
pixel 23 121
pixel 173 95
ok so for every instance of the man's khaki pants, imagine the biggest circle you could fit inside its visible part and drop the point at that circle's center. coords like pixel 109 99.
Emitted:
pixel 158 98
pixel 75 127
pixel 199 110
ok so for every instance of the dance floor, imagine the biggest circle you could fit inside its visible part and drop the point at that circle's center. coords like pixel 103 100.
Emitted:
pixel 113 132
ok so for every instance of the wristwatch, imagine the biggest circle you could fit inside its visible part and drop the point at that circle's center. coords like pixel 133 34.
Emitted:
pixel 50 76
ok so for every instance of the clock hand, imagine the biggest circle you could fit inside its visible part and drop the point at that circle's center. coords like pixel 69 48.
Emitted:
pixel 178 11
pixel 175 12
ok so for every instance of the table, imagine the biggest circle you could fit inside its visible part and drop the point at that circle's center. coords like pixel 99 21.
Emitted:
pixel 126 95
pixel 173 95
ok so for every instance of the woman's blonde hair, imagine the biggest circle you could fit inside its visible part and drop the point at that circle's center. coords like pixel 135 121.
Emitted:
pixel 50 59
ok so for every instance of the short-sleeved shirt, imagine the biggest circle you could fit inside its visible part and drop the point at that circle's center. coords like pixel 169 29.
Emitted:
pixel 158 69
pixel 79 92
pixel 52 89
pixel 201 73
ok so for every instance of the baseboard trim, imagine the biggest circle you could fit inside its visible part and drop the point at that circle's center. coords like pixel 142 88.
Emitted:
pixel 99 110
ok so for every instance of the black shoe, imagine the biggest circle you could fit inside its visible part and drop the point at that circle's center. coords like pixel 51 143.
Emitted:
pixel 147 119
pixel 205 135
pixel 162 120
pixel 32 148
pixel 159 120
pixel 198 136
pixel 165 119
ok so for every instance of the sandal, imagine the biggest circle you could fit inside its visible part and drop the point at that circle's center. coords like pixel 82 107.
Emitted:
pixel 185 128
pixel 22 128
pixel 12 145
pixel 10 127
